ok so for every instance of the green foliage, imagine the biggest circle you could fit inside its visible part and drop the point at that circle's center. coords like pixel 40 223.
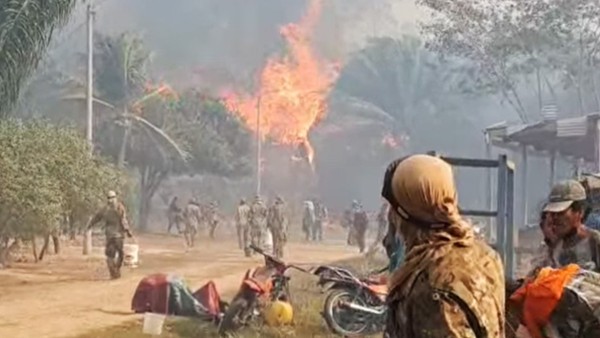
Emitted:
pixel 512 46
pixel 395 83
pixel 26 27
pixel 46 173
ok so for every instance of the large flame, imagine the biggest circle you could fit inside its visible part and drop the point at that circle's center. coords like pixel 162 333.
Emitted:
pixel 293 89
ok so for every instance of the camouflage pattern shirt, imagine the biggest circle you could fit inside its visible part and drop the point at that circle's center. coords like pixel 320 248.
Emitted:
pixel 115 220
pixel 460 294
pixel 258 215
pixel 277 219
pixel 242 214
pixel 581 250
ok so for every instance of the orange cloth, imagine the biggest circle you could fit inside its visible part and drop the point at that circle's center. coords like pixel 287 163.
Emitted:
pixel 538 298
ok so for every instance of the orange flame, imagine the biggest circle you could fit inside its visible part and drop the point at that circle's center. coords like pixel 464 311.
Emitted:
pixel 293 90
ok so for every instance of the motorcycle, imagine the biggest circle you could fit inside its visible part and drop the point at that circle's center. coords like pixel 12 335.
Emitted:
pixel 260 285
pixel 353 306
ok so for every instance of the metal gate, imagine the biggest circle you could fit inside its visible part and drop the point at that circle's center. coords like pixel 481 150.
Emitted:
pixel 506 234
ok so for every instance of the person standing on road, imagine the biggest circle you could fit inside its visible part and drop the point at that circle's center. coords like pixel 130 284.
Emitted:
pixel 360 224
pixel 241 223
pixel 193 216
pixel 308 219
pixel 116 226
pixel 451 284
pixel 258 223
pixel 212 219
pixel 320 218
pixel 277 224
pixel 174 215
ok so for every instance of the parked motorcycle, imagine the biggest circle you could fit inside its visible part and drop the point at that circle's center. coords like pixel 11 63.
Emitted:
pixel 260 285
pixel 354 306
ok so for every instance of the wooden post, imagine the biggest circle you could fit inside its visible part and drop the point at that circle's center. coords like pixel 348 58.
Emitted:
pixel 489 198
pixel 524 190
pixel 552 169
pixel 501 216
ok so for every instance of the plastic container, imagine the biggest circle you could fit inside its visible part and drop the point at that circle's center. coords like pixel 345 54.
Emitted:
pixel 131 258
pixel 153 323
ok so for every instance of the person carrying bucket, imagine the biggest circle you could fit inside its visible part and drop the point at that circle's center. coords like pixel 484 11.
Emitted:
pixel 116 226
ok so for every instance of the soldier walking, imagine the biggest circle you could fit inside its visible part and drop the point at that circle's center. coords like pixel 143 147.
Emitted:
pixel 382 224
pixel 116 225
pixel 193 217
pixel 320 218
pixel 174 215
pixel 241 223
pixel 360 224
pixel 212 218
pixel 258 223
pixel 308 219
pixel 277 224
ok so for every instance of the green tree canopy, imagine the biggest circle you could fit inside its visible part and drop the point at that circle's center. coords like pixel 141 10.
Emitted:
pixel 26 27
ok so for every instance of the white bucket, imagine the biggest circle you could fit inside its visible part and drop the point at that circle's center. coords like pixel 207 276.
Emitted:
pixel 268 244
pixel 153 323
pixel 130 252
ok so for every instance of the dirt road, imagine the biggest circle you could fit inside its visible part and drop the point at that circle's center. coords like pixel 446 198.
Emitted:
pixel 70 294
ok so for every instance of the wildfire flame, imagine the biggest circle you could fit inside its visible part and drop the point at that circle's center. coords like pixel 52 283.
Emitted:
pixel 292 97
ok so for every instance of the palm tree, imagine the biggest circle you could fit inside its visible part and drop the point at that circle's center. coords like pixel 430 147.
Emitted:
pixel 26 28
pixel 396 84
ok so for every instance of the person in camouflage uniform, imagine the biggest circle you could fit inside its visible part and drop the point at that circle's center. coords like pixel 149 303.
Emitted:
pixel 576 243
pixel 308 219
pixel 277 224
pixel 242 215
pixel 258 223
pixel 320 218
pixel 212 218
pixel 360 224
pixel 174 215
pixel 192 216
pixel 451 284
pixel 116 225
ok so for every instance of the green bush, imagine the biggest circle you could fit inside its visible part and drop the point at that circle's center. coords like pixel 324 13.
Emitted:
pixel 48 179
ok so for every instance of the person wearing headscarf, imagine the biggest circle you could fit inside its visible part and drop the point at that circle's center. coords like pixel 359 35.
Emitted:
pixel 451 284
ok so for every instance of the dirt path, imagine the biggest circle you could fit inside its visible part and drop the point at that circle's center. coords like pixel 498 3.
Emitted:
pixel 71 294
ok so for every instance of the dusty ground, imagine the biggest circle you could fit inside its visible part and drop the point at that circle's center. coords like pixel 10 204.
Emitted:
pixel 70 294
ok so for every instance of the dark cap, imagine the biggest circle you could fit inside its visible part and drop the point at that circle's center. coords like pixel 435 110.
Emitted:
pixel 563 195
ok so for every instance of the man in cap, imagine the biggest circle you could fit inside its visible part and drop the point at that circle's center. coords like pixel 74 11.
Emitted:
pixel 192 216
pixel 241 223
pixel 451 284
pixel 567 207
pixel 277 224
pixel 116 225
pixel 258 223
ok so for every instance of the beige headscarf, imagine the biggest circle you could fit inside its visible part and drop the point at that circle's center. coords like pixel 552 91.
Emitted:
pixel 424 187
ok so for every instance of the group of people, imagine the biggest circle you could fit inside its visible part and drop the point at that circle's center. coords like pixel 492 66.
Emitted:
pixel 189 219
pixel 451 282
pixel 313 218
pixel 256 223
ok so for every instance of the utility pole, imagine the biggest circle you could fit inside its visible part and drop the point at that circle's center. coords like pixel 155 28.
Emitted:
pixel 87 244
pixel 258 146
pixel 90 74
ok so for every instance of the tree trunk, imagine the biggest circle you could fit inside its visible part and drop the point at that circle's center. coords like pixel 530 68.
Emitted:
pixel 151 178
pixel 34 249
pixel 123 151
pixel 44 247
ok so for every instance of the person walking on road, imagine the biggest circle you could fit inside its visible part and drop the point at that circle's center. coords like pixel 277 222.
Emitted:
pixel 116 226
pixel 242 216
pixel 258 223
pixel 278 226
pixel 174 215
pixel 192 216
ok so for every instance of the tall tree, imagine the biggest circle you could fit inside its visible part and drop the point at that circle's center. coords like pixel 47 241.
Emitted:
pixel 512 47
pixel 397 84
pixel 26 27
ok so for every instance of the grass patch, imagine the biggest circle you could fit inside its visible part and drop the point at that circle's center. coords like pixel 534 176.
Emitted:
pixel 307 301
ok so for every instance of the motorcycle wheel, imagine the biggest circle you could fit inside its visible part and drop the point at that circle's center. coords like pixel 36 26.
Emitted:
pixel 341 320
pixel 233 318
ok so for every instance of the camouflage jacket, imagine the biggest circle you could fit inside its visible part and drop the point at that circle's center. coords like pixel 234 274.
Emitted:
pixel 242 214
pixel 583 251
pixel 460 294
pixel 115 220
pixel 193 215
pixel 258 215
pixel 277 219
